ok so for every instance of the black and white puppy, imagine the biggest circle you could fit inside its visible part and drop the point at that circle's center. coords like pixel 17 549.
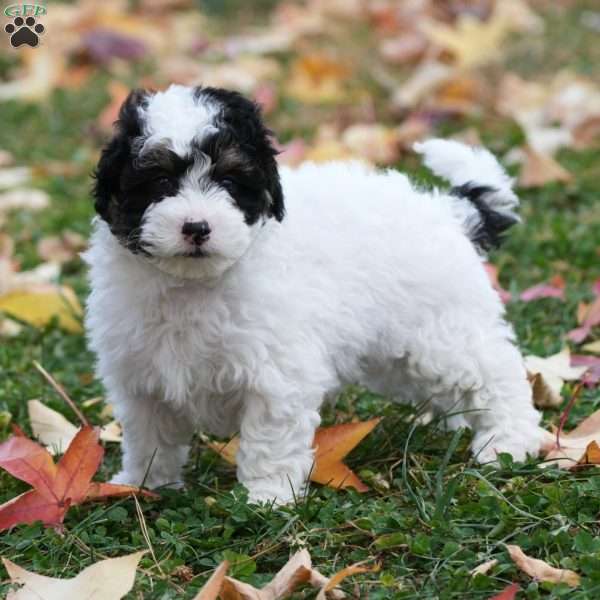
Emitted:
pixel 210 310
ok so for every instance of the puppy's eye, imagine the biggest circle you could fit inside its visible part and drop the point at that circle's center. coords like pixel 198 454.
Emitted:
pixel 229 183
pixel 163 181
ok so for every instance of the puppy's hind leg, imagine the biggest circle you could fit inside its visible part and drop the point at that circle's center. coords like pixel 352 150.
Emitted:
pixel 481 370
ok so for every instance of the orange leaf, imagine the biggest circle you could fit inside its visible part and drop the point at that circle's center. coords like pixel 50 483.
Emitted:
pixel 591 456
pixel 332 445
pixel 56 487
pixel 341 575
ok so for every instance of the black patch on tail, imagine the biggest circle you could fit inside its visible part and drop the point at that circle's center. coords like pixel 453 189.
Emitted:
pixel 489 230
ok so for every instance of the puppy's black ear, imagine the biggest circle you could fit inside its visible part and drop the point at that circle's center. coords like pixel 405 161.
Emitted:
pixel 114 155
pixel 276 205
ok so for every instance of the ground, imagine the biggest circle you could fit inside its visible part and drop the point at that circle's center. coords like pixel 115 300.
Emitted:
pixel 440 515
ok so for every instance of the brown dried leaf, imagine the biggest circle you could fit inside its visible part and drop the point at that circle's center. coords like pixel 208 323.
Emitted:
pixel 540 570
pixel 105 580
pixel 539 169
pixel 341 575
pixel 296 572
pixel 484 567
pixel 577 447
pixel 212 588
pixel 553 371
pixel 61 249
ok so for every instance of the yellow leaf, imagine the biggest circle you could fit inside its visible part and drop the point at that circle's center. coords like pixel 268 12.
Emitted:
pixel 37 305
pixel 472 42
pixel 341 575
pixel 592 347
pixel 316 79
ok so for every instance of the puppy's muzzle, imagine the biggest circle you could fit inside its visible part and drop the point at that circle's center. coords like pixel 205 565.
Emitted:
pixel 196 232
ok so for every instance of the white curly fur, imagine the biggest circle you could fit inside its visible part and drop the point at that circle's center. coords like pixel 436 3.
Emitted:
pixel 366 280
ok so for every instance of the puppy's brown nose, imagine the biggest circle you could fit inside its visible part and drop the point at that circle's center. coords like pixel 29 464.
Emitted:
pixel 198 231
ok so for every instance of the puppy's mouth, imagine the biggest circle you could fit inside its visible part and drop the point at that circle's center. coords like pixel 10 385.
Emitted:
pixel 196 253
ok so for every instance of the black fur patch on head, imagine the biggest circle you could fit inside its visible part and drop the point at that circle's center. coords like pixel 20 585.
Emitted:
pixel 488 230
pixel 126 183
pixel 242 155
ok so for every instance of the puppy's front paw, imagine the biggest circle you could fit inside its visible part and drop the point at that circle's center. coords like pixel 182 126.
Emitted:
pixel 126 478
pixel 151 482
pixel 267 491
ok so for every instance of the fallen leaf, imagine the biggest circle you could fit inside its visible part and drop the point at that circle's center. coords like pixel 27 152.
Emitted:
pixel 544 395
pixel 373 142
pixel 554 289
pixel 553 371
pixel 539 169
pixel 540 570
pixel 56 487
pixel 573 446
pixel 39 74
pixel 592 376
pixel 61 249
pixel 316 79
pixel 14 176
pixel 118 92
pixel 427 77
pixel 331 445
pixel 471 41
pixel 108 579
pixel 22 197
pixel 508 593
pixel 212 588
pixel 39 304
pixel 56 433
pixel 492 272
pixel 591 456
pixel 336 579
pixel 589 318
pixel 484 567
pixel 592 347
pixel 297 571
pixel 407 47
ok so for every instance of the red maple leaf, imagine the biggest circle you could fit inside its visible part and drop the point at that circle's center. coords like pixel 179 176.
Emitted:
pixel 56 487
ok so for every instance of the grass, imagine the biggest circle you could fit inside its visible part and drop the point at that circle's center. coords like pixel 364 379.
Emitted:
pixel 437 514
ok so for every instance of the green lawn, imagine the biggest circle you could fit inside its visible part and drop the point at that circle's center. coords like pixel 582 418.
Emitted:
pixel 440 514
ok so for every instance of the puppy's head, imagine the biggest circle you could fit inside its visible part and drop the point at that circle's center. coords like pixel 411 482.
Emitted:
pixel 188 179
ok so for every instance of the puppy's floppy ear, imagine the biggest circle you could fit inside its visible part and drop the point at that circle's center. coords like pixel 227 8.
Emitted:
pixel 116 152
pixel 276 206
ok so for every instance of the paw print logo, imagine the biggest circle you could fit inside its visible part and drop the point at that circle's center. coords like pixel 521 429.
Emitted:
pixel 24 31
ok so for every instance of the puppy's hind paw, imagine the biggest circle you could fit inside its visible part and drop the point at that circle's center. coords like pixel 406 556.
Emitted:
pixel 486 447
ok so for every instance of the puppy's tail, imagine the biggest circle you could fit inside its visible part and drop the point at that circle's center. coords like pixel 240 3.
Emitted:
pixel 485 200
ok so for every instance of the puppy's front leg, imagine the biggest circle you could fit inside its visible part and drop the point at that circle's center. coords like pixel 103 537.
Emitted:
pixel 275 455
pixel 155 442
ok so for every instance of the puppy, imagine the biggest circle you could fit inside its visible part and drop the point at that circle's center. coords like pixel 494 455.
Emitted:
pixel 213 307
